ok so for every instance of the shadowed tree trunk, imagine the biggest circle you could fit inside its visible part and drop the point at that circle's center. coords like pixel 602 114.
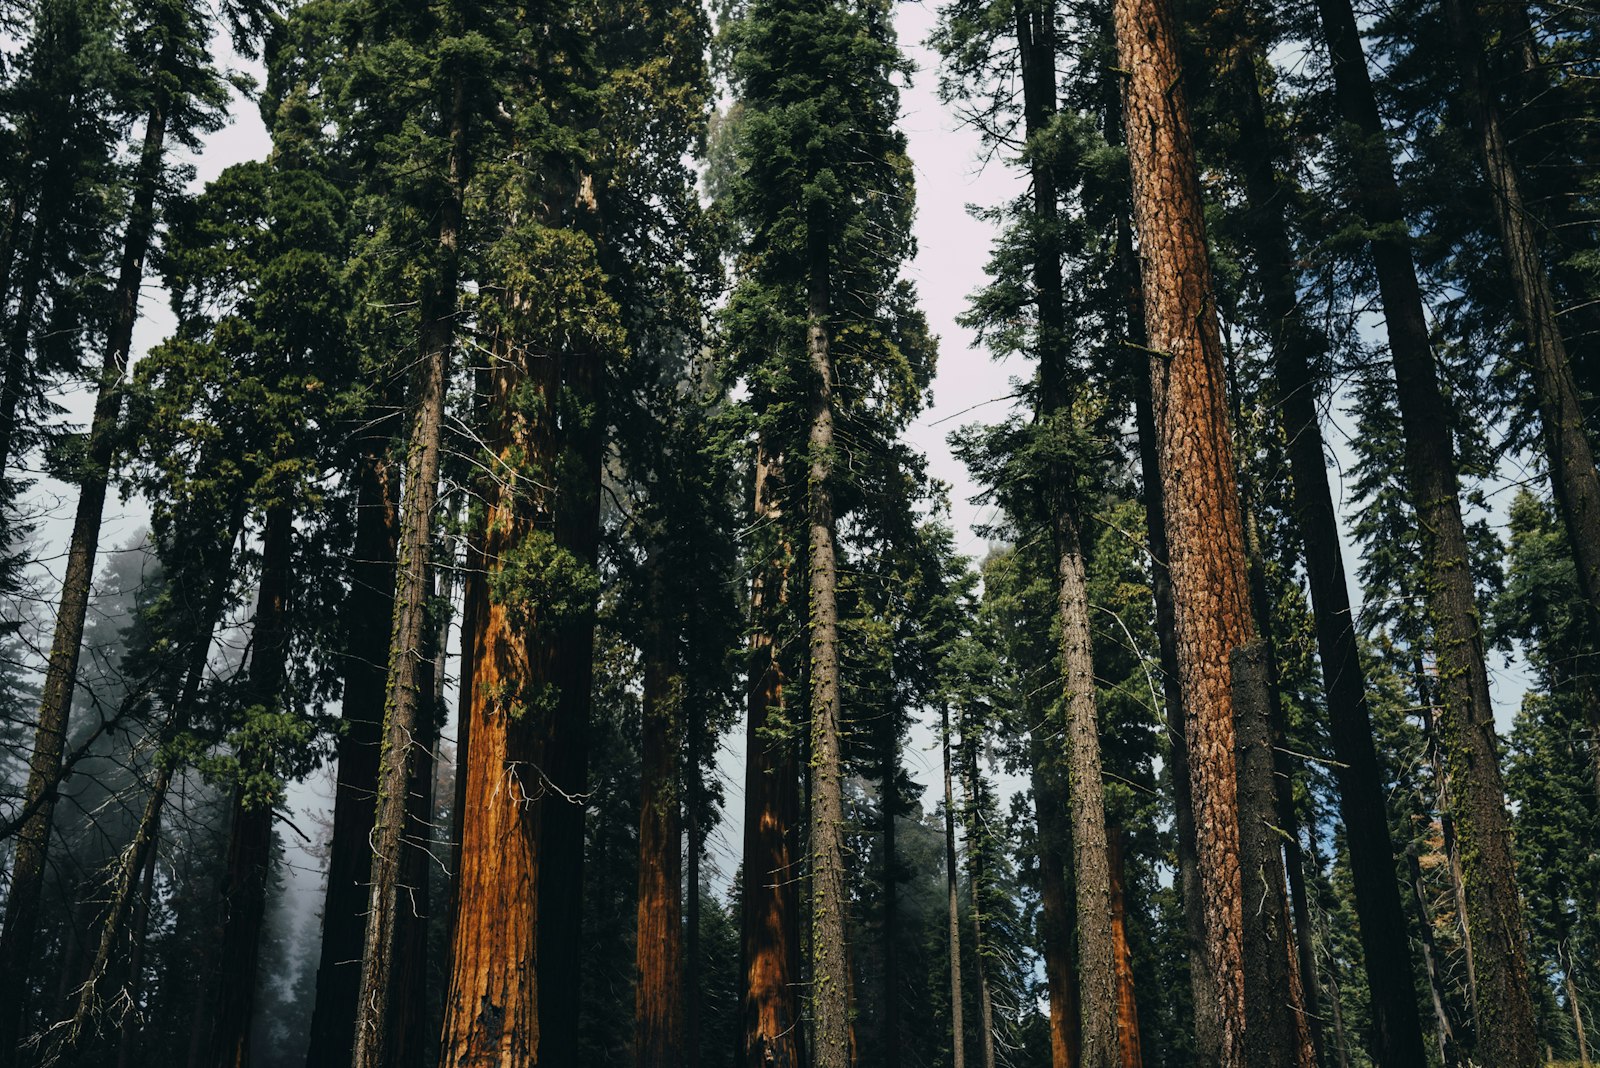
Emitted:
pixel 1276 1032
pixel 1055 904
pixel 1506 1036
pixel 958 1032
pixel 770 910
pixel 250 842
pixel 370 603
pixel 19 935
pixel 658 993
pixel 889 804
pixel 1569 456
pixel 1131 1049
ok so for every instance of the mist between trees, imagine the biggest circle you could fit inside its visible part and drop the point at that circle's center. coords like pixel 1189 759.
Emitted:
pixel 548 646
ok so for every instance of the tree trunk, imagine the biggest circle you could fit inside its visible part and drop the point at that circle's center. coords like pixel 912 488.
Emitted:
pixel 1055 905
pixel 1132 1053
pixel 17 939
pixel 658 995
pixel 770 912
pixel 889 802
pixel 1275 1027
pixel 975 881
pixel 1091 869
pixel 1574 1005
pixel 406 698
pixel 830 973
pixel 250 856
pixel 128 1030
pixel 1202 984
pixel 1506 1036
pixel 1203 521
pixel 1569 454
pixel 1397 1038
pixel 371 600
pixel 958 1032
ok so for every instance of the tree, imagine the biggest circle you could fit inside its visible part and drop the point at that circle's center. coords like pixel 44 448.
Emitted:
pixel 1213 616
pixel 1466 716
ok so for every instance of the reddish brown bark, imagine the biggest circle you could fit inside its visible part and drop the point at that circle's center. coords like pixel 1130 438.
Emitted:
pixel 770 911
pixel 1131 1054
pixel 658 947
pixel 1203 519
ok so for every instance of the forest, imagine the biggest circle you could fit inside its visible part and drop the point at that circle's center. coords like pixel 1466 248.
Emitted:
pixel 477 591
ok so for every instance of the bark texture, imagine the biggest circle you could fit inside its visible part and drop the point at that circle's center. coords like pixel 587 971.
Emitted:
pixel 19 935
pixel 408 707
pixel 1091 868
pixel 369 603
pixel 1202 984
pixel 1276 1033
pixel 1203 519
pixel 1506 1035
pixel 830 965
pixel 658 953
pixel 1131 1049
pixel 770 910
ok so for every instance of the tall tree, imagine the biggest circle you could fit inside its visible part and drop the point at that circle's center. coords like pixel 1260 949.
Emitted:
pixel 180 97
pixel 1203 517
pixel 1506 1030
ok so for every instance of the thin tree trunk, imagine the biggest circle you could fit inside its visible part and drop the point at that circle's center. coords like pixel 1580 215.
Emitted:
pixel 1452 855
pixel 1574 1005
pixel 250 842
pixel 370 602
pixel 958 1032
pixel 18 937
pixel 1275 1028
pixel 975 884
pixel 1055 904
pixel 889 802
pixel 1569 453
pixel 830 978
pixel 695 847
pixel 1203 519
pixel 1506 1036
pixel 1397 1038
pixel 770 911
pixel 128 1030
pixel 658 995
pixel 1132 1052
pixel 1444 1026
pixel 1096 987
pixel 1091 869
pixel 406 695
